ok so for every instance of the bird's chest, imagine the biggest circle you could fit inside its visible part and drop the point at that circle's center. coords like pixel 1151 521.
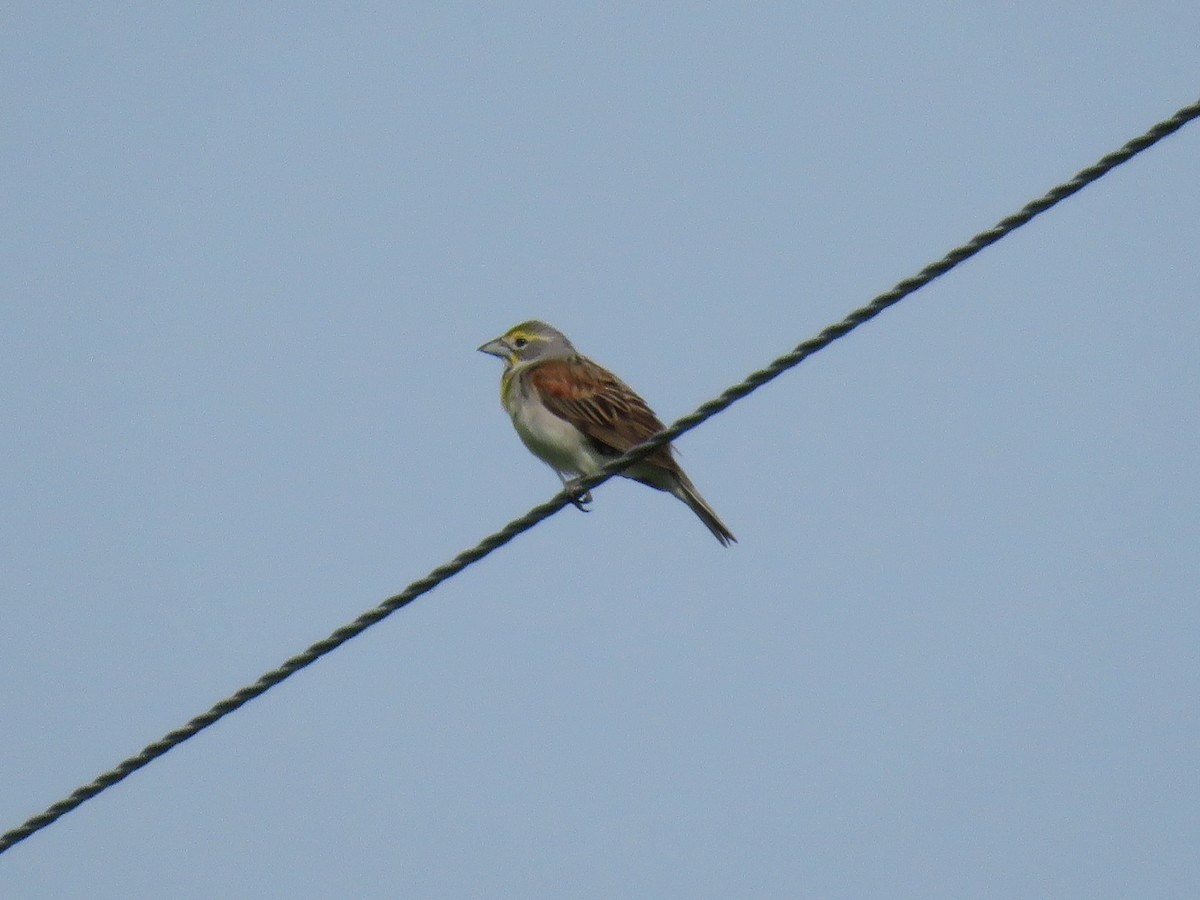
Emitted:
pixel 555 441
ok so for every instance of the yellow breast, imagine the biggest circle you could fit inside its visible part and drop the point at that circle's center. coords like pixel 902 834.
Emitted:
pixel 510 387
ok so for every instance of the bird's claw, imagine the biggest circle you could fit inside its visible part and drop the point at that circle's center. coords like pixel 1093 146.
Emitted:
pixel 579 499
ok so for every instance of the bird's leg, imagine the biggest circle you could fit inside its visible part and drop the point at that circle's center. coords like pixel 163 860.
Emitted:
pixel 579 499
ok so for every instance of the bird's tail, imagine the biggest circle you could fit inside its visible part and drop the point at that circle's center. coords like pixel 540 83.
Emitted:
pixel 686 491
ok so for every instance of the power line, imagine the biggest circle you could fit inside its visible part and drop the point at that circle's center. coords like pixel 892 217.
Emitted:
pixel 543 511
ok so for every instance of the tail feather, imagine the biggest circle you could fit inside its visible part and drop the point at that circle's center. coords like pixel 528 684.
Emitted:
pixel 686 491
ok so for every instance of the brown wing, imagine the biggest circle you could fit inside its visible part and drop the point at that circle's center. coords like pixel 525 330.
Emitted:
pixel 599 404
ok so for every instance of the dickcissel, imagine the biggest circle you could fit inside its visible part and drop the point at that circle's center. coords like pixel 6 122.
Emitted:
pixel 575 416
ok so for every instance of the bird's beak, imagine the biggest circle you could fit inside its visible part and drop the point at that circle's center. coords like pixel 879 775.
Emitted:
pixel 496 348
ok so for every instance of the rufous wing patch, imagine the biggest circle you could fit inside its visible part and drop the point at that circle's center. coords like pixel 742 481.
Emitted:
pixel 597 403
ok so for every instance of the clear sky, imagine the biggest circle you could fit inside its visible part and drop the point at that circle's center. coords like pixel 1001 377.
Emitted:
pixel 248 252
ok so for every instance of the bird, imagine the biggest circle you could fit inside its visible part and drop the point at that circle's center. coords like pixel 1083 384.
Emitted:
pixel 576 416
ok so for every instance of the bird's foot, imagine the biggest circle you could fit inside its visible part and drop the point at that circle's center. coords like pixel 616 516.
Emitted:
pixel 579 498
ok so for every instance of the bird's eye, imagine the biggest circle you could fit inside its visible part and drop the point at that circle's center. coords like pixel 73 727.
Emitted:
pixel 519 343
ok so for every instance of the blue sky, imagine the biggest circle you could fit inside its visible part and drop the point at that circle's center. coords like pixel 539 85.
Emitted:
pixel 248 254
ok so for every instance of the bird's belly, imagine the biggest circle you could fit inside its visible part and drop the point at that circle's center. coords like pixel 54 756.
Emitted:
pixel 555 441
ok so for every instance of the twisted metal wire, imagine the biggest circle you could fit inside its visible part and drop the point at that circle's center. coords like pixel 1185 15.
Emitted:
pixel 543 511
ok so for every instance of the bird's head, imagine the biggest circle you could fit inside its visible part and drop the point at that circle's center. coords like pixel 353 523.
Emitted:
pixel 529 341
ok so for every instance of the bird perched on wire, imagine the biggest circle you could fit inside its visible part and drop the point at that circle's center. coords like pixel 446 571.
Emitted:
pixel 575 416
